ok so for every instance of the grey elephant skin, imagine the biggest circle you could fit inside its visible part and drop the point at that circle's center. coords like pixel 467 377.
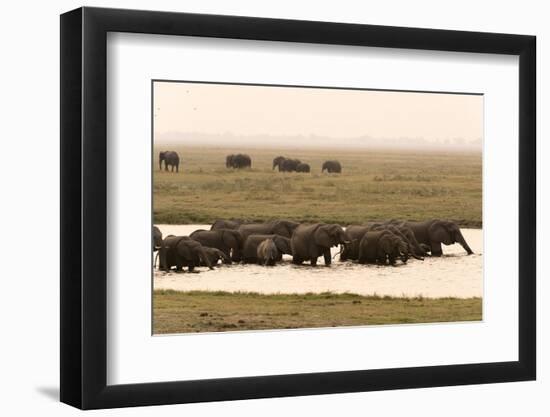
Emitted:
pixel 435 232
pixel 308 242
pixel 252 242
pixel 332 167
pixel 267 252
pixel 180 251
pixel 238 161
pixel 170 158
pixel 226 224
pixel 229 241
pixel 283 228
pixel 382 247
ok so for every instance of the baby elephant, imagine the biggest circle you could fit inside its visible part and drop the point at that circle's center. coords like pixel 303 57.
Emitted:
pixel 214 255
pixel 267 253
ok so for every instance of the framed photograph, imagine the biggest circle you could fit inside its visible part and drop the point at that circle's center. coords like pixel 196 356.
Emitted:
pixel 260 208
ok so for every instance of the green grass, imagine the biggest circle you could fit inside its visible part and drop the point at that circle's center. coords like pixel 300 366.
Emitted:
pixel 201 311
pixel 374 185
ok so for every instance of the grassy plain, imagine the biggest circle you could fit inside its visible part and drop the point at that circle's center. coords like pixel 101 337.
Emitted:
pixel 197 311
pixel 374 185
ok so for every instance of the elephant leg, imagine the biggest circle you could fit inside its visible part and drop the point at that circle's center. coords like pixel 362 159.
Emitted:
pixel 191 266
pixel 314 261
pixel 227 253
pixel 436 249
pixel 327 256
pixel 235 256
pixel 297 260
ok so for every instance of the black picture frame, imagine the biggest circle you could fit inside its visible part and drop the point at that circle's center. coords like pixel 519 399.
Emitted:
pixel 84 207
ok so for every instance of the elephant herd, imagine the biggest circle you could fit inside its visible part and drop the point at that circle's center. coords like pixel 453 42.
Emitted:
pixel 382 243
pixel 295 165
pixel 238 161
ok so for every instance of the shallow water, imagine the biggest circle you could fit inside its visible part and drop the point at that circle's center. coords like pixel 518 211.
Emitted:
pixel 453 275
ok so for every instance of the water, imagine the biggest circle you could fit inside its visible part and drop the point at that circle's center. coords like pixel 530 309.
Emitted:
pixel 453 275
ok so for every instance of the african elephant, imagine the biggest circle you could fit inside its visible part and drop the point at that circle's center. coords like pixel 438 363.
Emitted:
pixel 283 228
pixel 180 251
pixel 303 167
pixel 435 232
pixel 286 164
pixel 227 240
pixel 214 255
pixel 309 241
pixel 226 224
pixel 238 161
pixel 157 238
pixel 170 158
pixel 382 246
pixel 355 233
pixel 250 248
pixel 267 252
pixel 332 167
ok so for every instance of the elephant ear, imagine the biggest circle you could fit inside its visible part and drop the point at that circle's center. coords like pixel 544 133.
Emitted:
pixel 183 249
pixel 282 244
pixel 229 239
pixel 321 237
pixel 386 243
pixel 283 228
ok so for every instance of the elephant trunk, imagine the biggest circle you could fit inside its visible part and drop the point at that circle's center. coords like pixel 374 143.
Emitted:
pixel 420 258
pixel 460 239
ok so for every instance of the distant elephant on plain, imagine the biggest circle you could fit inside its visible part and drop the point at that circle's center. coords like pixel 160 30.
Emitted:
pixel 303 167
pixel 435 232
pixel 170 158
pixel 229 241
pixel 238 161
pixel 286 164
pixel 309 241
pixel 180 251
pixel 252 242
pixel 267 253
pixel 332 167
pixel 214 255
pixel 382 247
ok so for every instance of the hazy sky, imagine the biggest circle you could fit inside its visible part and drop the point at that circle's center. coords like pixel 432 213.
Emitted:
pixel 284 111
